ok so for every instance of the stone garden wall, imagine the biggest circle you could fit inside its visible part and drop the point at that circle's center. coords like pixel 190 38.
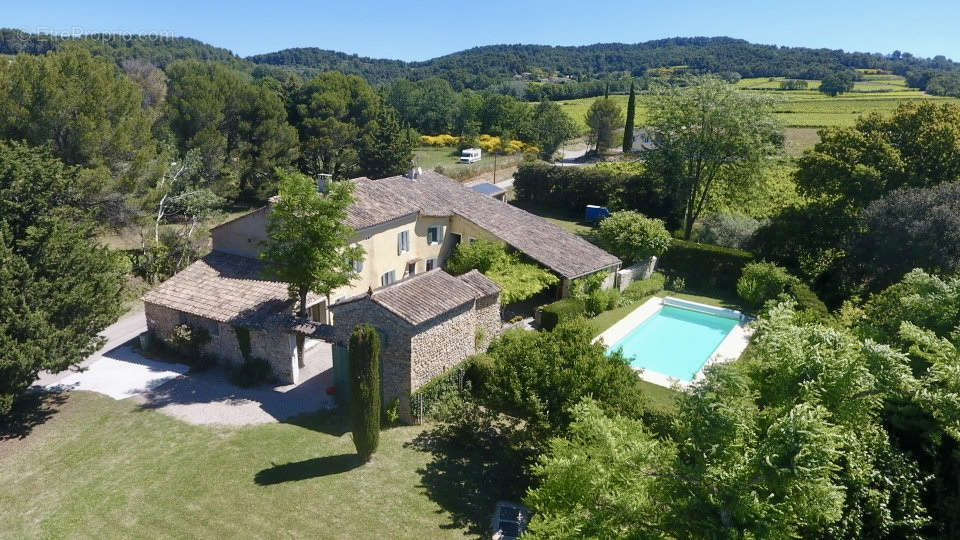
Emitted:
pixel 277 348
pixel 640 270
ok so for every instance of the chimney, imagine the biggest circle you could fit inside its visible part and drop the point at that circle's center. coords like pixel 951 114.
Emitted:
pixel 414 173
pixel 323 182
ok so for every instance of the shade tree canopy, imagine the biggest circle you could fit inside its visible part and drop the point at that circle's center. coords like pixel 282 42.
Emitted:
pixel 708 136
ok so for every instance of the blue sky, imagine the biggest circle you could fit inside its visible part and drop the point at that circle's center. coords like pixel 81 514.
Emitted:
pixel 418 30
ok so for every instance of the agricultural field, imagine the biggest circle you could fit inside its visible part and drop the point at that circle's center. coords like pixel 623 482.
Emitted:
pixel 805 110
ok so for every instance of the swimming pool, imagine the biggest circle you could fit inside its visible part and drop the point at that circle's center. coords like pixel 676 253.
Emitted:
pixel 675 341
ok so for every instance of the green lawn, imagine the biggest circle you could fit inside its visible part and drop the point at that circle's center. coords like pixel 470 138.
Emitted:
pixel 108 469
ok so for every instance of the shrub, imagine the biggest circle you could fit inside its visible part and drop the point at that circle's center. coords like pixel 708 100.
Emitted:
pixel 480 255
pixel 583 286
pixel 725 230
pixel 562 310
pixel 633 236
pixel 443 397
pixel 642 288
pixel 365 389
pixel 704 266
pixel 601 300
pixel 764 281
pixel 761 282
pixel 189 341
pixel 539 376
pixel 479 370
pixel 252 372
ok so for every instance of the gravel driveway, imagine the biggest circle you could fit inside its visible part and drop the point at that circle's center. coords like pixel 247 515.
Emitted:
pixel 120 371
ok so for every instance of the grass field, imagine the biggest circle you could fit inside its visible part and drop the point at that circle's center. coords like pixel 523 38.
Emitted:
pixel 100 468
pixel 429 157
pixel 801 108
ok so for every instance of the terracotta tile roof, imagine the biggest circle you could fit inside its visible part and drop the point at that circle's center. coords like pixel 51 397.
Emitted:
pixel 432 194
pixel 481 283
pixel 419 298
pixel 225 288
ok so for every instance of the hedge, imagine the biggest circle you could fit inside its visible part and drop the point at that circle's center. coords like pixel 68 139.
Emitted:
pixel 642 288
pixel 575 187
pixel 704 267
pixel 559 311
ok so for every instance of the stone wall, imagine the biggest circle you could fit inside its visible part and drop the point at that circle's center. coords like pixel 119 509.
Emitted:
pixel 488 321
pixel 640 270
pixel 441 343
pixel 277 348
pixel 395 337
pixel 412 356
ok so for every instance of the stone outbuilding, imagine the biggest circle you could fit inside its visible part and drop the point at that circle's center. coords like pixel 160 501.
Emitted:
pixel 428 323
pixel 227 295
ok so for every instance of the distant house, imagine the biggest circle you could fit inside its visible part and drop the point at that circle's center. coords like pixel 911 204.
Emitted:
pixel 643 139
pixel 408 226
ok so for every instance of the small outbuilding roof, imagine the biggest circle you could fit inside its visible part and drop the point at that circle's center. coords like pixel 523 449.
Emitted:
pixel 422 297
pixel 225 288
pixel 488 189
pixel 481 283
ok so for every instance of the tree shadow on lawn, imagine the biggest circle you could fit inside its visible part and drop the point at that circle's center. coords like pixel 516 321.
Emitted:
pixel 307 469
pixel 469 473
pixel 29 411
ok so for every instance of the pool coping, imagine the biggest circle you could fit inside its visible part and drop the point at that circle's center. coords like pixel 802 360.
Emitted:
pixel 729 349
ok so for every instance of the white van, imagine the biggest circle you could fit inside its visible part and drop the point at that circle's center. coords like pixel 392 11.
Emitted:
pixel 470 155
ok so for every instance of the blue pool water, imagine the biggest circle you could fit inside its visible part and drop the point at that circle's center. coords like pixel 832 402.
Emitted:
pixel 675 341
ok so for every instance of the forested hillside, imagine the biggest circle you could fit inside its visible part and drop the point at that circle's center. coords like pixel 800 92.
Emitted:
pixel 480 67
pixel 498 66
pixel 158 50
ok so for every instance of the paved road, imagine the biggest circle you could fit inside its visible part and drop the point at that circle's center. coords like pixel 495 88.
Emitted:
pixel 568 158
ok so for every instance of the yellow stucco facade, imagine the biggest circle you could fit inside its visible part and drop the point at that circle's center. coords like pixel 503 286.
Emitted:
pixel 245 236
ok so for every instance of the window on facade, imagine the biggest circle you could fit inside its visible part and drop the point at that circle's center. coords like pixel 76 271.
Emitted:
pixel 403 241
pixel 431 264
pixel 388 278
pixel 411 268
pixel 358 266
pixel 472 240
pixel 434 234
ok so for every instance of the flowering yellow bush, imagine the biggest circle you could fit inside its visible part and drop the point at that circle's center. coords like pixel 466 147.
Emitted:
pixel 444 139
pixel 490 143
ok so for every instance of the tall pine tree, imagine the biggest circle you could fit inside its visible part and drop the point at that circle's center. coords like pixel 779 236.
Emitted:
pixel 385 150
pixel 628 127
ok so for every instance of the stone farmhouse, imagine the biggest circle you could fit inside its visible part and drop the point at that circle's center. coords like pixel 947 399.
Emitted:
pixel 408 226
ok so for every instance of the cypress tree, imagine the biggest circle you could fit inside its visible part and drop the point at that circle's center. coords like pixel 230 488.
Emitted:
pixel 628 127
pixel 365 390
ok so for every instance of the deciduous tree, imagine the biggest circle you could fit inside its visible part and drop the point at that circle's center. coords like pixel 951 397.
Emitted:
pixel 308 241
pixel 708 136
